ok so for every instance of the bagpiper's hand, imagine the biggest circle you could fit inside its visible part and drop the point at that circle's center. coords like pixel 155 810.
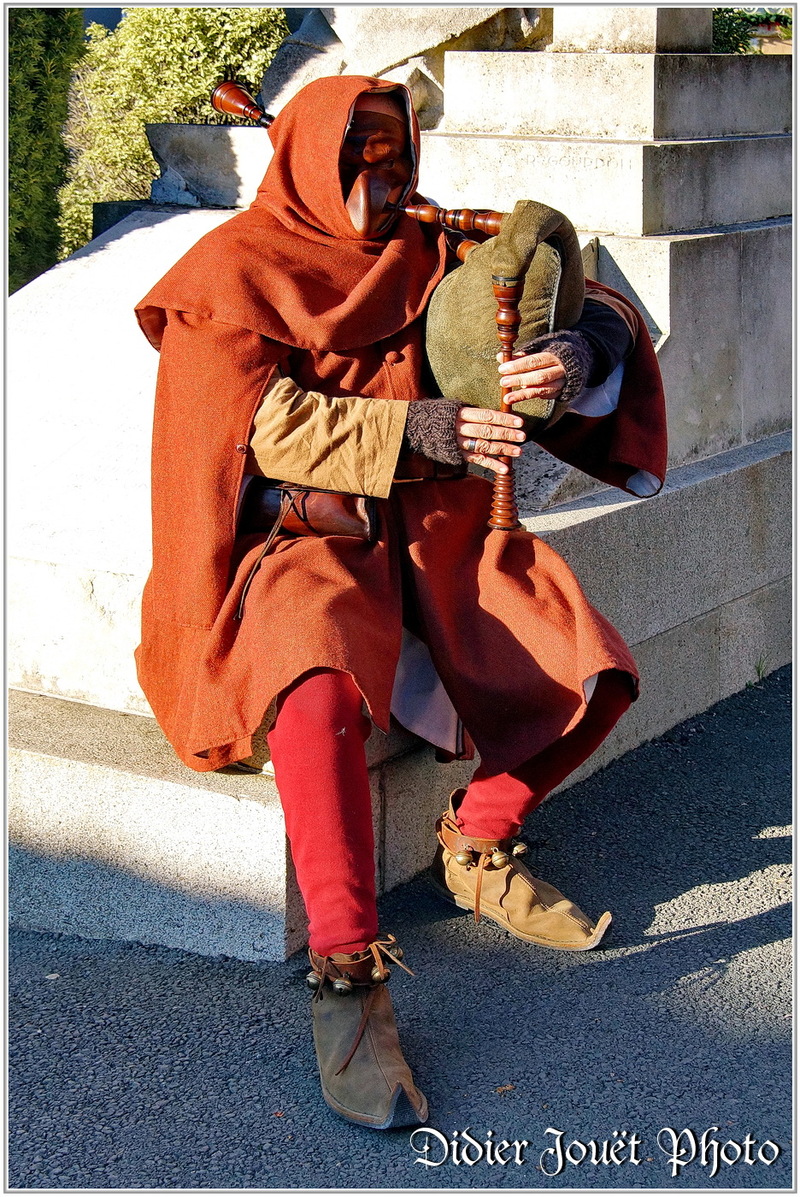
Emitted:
pixel 535 375
pixel 484 435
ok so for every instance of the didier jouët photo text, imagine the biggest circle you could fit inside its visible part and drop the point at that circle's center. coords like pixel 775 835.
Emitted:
pixel 556 1151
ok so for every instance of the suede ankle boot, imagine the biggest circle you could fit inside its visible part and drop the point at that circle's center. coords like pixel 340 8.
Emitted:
pixel 364 1076
pixel 487 877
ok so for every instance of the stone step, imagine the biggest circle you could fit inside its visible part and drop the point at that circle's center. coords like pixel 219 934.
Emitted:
pixel 210 165
pixel 618 97
pixel 629 188
pixel 139 847
pixel 630 28
pixel 719 304
pixel 716 532
pixel 112 838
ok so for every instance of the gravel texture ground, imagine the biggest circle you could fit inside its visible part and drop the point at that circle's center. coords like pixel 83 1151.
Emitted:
pixel 141 1067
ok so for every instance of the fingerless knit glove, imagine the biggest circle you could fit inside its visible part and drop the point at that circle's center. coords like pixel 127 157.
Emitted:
pixel 575 354
pixel 431 423
pixel 431 430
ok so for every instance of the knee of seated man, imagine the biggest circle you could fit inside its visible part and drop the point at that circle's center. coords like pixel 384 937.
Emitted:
pixel 325 702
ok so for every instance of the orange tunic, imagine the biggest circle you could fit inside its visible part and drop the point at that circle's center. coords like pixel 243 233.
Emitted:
pixel 511 634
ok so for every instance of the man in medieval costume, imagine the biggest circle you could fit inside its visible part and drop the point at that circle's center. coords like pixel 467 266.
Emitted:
pixel 292 349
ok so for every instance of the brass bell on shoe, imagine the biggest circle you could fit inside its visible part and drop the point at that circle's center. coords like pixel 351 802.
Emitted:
pixel 313 981
pixel 519 849
pixel 463 858
pixel 499 859
pixel 379 975
pixel 396 951
pixel 342 985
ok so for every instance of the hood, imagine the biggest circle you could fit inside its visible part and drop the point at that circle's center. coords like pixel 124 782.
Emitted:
pixel 302 187
pixel 292 266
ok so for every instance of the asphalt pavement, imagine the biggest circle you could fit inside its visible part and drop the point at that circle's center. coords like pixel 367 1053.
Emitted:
pixel 148 1068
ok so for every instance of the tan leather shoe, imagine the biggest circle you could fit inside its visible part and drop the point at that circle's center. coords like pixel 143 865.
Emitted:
pixel 487 877
pixel 364 1076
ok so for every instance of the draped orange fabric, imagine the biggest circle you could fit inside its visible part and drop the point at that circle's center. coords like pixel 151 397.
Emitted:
pixel 631 438
pixel 292 267
pixel 509 629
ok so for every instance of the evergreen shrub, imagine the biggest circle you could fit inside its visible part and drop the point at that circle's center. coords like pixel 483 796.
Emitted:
pixel 734 27
pixel 158 65
pixel 43 46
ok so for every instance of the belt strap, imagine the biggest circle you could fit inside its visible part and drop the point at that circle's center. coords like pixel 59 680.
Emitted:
pixel 286 502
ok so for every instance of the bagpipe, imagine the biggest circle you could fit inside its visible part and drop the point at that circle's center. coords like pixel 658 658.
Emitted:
pixel 527 279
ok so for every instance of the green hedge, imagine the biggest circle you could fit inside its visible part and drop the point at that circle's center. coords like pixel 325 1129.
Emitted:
pixel 43 46
pixel 159 64
pixel 734 27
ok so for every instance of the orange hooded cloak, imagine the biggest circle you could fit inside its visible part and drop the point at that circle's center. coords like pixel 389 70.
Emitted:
pixel 509 630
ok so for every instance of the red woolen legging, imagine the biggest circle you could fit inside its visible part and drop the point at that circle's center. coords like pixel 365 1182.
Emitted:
pixel 317 747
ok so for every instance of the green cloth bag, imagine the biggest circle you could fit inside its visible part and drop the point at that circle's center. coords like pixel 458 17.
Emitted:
pixel 536 242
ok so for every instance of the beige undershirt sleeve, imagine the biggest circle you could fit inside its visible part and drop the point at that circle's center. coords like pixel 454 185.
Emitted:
pixel 347 444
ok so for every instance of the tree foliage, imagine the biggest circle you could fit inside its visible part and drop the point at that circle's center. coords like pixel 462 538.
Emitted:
pixel 43 46
pixel 158 65
pixel 734 27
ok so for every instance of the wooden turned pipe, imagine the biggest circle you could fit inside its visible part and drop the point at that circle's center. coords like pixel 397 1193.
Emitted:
pixel 507 291
pixel 465 219
pixel 234 100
